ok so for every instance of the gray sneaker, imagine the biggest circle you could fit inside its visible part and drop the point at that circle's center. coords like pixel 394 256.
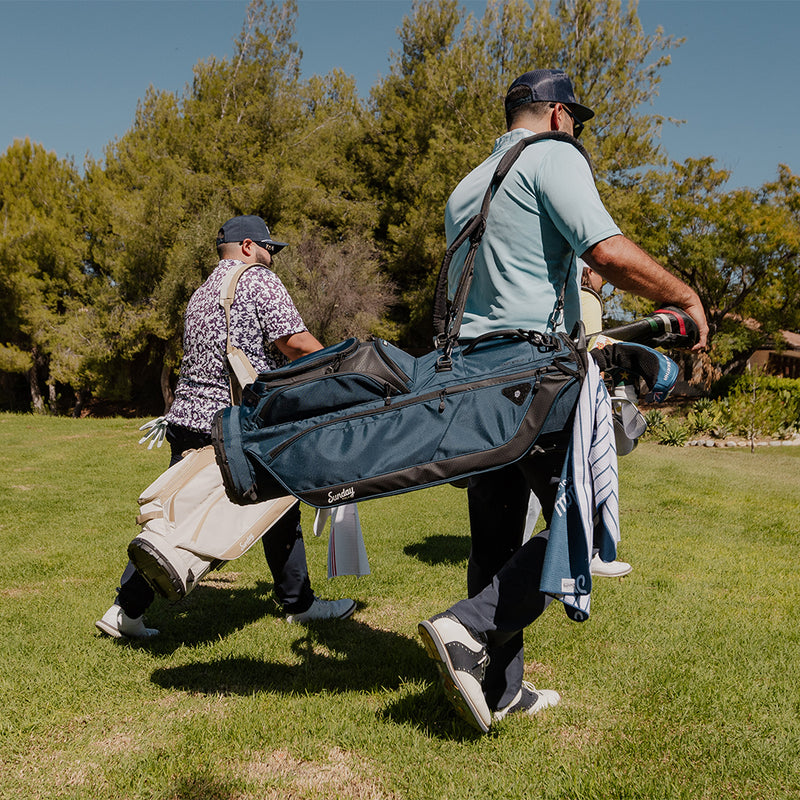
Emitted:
pixel 324 609
pixel 530 700
pixel 461 660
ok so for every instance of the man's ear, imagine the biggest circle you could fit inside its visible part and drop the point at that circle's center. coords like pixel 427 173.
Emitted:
pixel 554 123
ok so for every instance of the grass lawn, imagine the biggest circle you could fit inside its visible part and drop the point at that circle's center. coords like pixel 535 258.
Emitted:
pixel 682 684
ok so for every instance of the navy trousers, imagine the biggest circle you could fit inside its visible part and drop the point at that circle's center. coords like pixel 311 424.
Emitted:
pixel 284 549
pixel 503 575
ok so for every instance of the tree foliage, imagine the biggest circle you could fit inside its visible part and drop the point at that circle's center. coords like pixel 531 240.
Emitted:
pixel 437 113
pixel 42 282
pixel 740 249
pixel 96 269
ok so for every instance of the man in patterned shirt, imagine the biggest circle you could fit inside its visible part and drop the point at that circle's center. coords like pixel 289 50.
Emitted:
pixel 266 325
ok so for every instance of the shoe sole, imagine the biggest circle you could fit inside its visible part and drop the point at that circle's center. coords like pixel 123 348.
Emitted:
pixel 346 615
pixel 349 613
pixel 457 694
pixel 602 574
pixel 111 631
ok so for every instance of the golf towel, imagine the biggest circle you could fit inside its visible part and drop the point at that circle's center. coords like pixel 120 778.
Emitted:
pixel 586 513
pixel 347 554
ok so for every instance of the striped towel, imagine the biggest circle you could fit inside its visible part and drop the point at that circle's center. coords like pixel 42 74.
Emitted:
pixel 586 514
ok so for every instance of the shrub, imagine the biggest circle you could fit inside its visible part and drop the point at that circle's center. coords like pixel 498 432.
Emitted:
pixel 673 432
pixel 655 419
pixel 703 419
pixel 759 405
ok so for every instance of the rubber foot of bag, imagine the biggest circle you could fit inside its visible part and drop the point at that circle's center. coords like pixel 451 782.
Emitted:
pixel 157 570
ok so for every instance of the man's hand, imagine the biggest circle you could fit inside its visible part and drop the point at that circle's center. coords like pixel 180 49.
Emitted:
pixel 628 267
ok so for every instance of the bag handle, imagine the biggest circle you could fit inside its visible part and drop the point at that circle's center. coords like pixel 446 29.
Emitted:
pixel 447 315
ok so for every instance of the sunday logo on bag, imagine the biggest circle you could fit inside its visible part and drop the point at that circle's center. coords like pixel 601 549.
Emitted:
pixel 345 494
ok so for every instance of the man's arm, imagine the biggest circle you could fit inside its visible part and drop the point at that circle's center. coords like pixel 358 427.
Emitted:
pixel 297 344
pixel 628 267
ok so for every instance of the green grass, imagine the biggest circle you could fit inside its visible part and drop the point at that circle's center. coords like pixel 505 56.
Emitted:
pixel 682 684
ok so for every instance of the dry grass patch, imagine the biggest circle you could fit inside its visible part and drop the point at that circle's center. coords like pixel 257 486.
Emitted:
pixel 341 775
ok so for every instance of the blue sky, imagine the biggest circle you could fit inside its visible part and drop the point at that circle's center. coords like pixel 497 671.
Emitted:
pixel 71 71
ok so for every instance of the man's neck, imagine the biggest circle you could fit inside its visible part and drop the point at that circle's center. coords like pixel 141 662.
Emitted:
pixel 532 126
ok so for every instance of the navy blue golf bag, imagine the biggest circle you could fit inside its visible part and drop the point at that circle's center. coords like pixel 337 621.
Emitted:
pixel 348 435
pixel 365 419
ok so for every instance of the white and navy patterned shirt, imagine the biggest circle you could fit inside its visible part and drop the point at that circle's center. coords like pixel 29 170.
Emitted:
pixel 262 312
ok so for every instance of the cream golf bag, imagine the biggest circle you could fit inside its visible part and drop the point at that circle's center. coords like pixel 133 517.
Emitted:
pixel 190 527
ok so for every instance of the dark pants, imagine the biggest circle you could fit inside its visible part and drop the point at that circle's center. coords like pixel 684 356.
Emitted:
pixel 503 575
pixel 284 549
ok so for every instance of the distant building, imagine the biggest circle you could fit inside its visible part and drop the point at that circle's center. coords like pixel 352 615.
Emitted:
pixel 784 364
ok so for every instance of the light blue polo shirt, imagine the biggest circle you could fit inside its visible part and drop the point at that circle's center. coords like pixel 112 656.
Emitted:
pixel 545 212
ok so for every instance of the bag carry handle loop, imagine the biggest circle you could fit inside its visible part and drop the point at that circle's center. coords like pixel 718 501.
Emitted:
pixel 543 340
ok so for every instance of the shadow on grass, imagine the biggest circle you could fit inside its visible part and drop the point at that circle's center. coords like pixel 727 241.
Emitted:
pixel 430 712
pixel 332 656
pixel 441 549
pixel 214 610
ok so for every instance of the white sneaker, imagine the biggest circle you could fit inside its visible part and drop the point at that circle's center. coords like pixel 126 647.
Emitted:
pixel 530 700
pixel 324 609
pixel 610 569
pixel 115 622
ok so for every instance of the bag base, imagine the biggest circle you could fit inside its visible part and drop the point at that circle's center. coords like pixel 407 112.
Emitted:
pixel 170 571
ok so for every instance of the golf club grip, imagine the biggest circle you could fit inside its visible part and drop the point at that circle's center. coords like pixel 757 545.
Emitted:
pixel 670 321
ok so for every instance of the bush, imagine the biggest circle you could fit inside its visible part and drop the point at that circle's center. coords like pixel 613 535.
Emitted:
pixel 703 419
pixel 673 432
pixel 762 405
pixel 655 419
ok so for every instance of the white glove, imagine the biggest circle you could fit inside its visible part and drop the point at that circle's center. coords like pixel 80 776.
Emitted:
pixel 156 431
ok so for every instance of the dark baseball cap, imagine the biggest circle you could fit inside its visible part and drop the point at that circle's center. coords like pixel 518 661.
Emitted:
pixel 548 86
pixel 249 227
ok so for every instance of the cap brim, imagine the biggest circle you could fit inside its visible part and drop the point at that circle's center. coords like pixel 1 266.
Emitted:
pixel 277 245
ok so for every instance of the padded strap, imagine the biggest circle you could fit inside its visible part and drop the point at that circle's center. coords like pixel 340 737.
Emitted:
pixel 239 366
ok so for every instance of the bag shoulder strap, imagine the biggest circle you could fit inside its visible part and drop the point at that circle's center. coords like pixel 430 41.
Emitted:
pixel 227 291
pixel 240 370
pixel 447 315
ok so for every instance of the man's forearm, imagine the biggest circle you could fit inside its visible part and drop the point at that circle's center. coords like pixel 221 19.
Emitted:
pixel 298 344
pixel 628 267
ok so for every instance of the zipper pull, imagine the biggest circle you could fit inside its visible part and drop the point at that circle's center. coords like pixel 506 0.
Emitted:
pixel 387 394
pixel 442 396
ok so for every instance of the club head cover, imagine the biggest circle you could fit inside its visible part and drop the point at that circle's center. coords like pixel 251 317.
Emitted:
pixel 658 372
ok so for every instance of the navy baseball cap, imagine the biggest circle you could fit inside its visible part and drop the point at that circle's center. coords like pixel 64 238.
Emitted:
pixel 250 227
pixel 548 86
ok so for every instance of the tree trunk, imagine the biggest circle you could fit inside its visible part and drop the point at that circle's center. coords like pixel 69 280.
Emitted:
pixel 80 400
pixel 33 380
pixel 166 388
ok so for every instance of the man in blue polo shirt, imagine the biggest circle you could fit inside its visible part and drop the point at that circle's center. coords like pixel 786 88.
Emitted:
pixel 544 214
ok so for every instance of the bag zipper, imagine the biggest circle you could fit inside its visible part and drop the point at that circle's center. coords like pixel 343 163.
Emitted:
pixel 278 391
pixel 442 394
pixel 289 371
pixel 388 361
